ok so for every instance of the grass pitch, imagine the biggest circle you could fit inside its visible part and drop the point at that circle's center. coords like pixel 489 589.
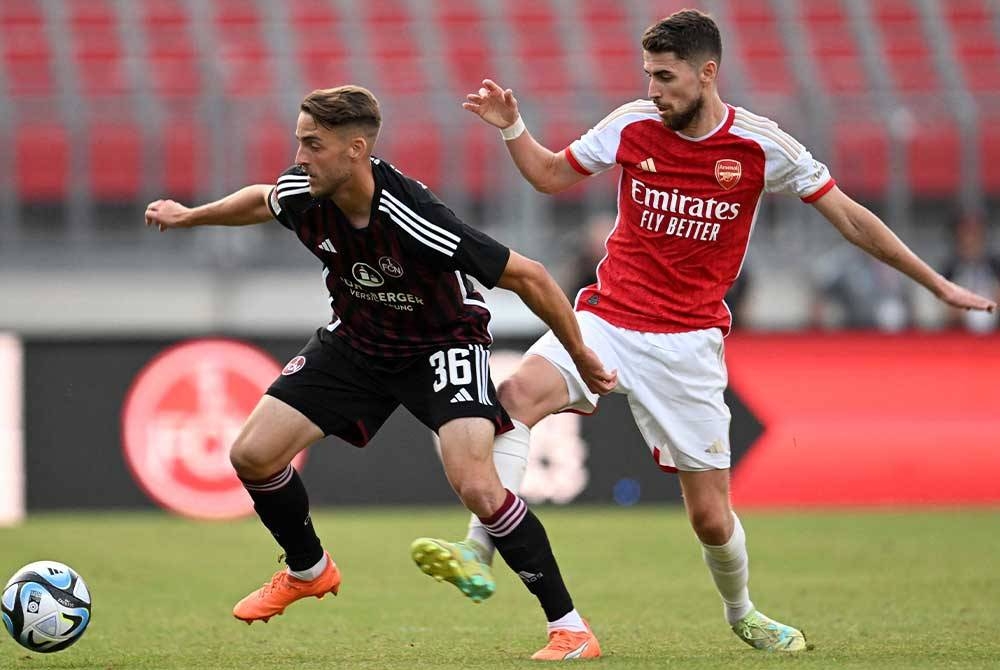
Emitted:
pixel 872 590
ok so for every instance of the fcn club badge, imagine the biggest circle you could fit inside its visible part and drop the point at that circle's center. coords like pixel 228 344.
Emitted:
pixel 728 172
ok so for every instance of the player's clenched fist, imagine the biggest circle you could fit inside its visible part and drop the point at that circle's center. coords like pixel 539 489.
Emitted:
pixel 166 214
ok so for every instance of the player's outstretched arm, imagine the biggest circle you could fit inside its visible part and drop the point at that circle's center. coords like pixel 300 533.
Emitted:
pixel 862 228
pixel 242 208
pixel 548 172
pixel 535 286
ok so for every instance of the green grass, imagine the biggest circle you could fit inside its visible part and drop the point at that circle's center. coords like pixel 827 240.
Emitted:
pixel 872 590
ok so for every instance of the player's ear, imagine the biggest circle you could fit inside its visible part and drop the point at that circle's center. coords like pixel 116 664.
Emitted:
pixel 358 147
pixel 708 71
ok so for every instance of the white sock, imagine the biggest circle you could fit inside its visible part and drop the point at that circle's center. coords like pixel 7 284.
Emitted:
pixel 312 573
pixel 570 621
pixel 730 568
pixel 510 455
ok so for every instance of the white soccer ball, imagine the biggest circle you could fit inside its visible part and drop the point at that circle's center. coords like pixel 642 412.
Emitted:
pixel 46 606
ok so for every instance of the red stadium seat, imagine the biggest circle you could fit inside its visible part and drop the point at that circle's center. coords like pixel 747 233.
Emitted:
pixel 467 50
pixel 269 150
pixel 989 155
pixel 242 44
pixel 414 146
pixel 184 164
pixel 97 49
pixel 41 158
pixel 27 55
pixel 321 56
pixel 906 46
pixel 483 159
pixel 934 158
pixel 171 54
pixel 833 47
pixel 614 48
pixel 976 43
pixel 394 44
pixel 538 48
pixel 114 160
pixel 860 157
pixel 762 48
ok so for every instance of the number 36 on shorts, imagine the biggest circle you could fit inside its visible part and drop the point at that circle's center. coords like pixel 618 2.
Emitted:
pixel 467 365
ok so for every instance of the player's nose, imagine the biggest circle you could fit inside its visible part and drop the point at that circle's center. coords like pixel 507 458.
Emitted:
pixel 300 157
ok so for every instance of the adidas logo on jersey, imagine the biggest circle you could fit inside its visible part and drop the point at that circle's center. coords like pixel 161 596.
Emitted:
pixel 461 396
pixel 327 245
pixel 647 165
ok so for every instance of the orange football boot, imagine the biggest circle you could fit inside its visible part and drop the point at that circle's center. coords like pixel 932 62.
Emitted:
pixel 283 590
pixel 565 645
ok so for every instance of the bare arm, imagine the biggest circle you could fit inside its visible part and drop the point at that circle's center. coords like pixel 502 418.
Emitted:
pixel 865 230
pixel 242 208
pixel 548 172
pixel 535 286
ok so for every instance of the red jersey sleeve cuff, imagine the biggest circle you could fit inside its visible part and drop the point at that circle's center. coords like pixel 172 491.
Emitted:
pixel 820 192
pixel 575 164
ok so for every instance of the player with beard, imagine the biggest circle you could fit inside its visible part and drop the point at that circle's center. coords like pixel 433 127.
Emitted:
pixel 693 170
pixel 409 328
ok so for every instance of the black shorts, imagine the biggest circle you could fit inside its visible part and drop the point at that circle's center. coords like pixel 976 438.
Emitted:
pixel 350 395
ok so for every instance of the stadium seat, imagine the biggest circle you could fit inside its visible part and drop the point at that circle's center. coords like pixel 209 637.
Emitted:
pixel 269 150
pixel 394 44
pixel 184 161
pixel 27 56
pixel 614 50
pixel 321 56
pixel 906 46
pixel 243 60
pixel 467 50
pixel 989 155
pixel 96 47
pixel 831 43
pixel 41 156
pixel 860 157
pixel 483 161
pixel 762 49
pixel 538 48
pixel 933 160
pixel 414 146
pixel 171 54
pixel 976 43
pixel 114 160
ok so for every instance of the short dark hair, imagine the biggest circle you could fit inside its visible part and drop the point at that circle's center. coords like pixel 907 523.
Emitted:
pixel 342 106
pixel 690 34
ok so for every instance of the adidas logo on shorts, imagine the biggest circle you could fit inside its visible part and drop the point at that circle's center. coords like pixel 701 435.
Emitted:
pixel 461 396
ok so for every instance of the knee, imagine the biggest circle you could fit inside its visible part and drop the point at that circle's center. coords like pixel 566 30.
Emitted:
pixel 251 461
pixel 480 497
pixel 514 396
pixel 713 526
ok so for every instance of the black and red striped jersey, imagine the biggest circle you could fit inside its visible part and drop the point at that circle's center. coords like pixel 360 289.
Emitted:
pixel 400 286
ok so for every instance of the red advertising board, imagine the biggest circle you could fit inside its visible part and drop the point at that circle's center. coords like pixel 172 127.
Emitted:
pixel 869 420
pixel 182 413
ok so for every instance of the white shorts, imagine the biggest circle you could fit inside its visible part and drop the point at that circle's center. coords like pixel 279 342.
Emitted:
pixel 674 383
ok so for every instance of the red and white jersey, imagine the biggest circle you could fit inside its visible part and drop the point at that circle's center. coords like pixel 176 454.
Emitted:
pixel 686 207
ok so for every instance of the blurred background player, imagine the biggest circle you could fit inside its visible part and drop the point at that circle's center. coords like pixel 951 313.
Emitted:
pixel 971 264
pixel 408 329
pixel 693 171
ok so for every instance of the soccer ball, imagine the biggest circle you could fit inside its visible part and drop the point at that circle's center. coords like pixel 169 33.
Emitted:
pixel 46 606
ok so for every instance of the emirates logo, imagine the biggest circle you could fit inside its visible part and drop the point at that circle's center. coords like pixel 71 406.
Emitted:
pixel 728 172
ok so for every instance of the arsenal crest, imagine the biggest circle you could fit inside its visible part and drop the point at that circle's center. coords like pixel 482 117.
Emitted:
pixel 728 172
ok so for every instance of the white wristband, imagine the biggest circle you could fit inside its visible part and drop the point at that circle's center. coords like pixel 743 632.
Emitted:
pixel 514 130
